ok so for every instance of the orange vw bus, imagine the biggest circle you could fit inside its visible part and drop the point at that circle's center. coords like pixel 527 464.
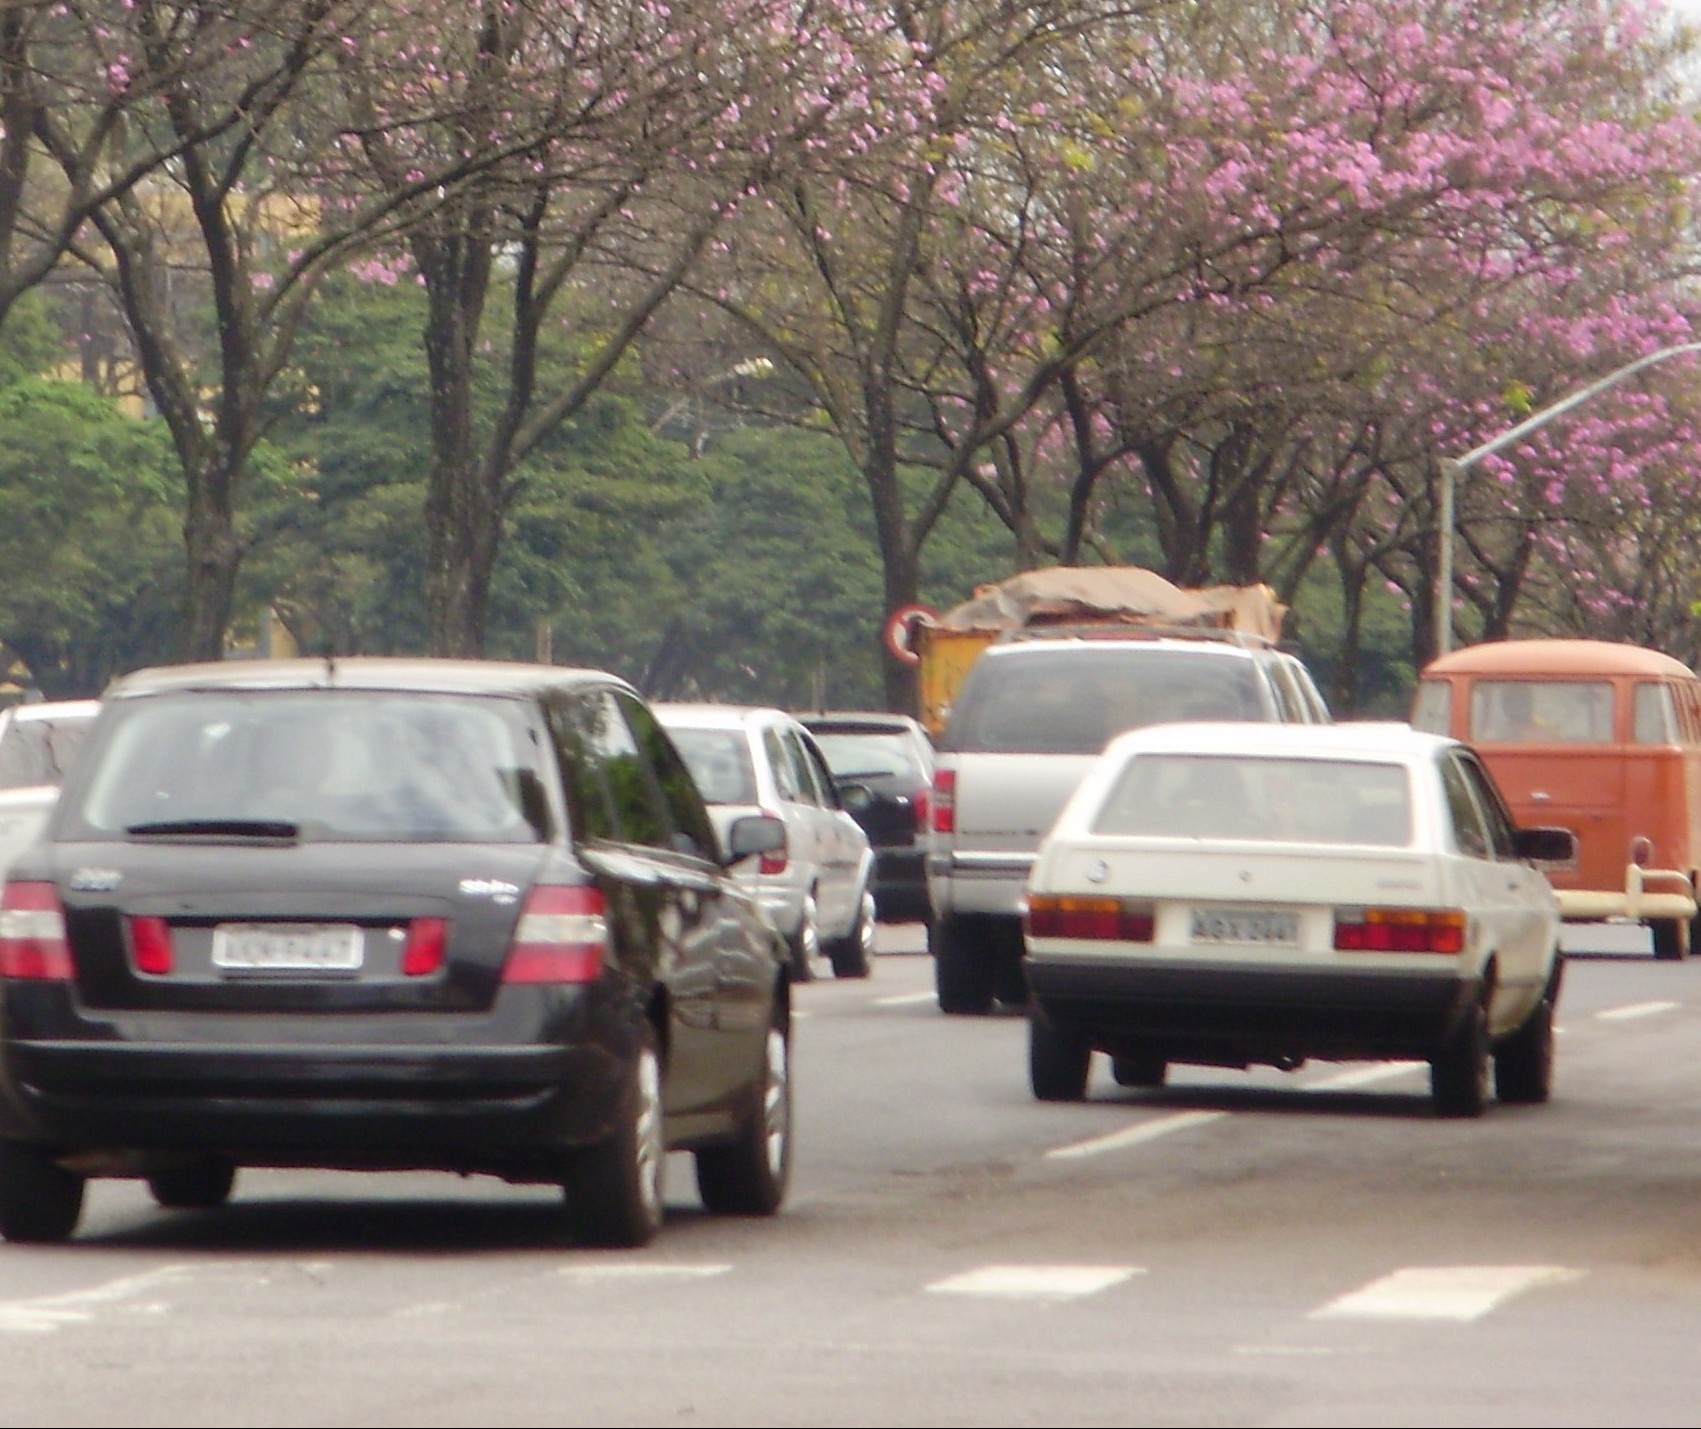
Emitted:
pixel 1603 739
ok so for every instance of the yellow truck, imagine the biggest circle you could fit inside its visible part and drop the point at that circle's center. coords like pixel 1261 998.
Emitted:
pixel 1078 597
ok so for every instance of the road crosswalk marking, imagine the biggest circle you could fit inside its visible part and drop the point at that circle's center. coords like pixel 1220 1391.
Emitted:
pixel 1448 1292
pixel 1036 1282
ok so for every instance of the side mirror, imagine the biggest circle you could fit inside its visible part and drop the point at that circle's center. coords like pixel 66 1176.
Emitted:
pixel 1546 845
pixel 754 834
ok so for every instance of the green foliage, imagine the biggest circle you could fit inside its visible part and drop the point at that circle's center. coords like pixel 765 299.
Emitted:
pixel 90 516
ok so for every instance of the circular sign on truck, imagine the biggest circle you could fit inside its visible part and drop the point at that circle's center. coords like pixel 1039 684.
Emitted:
pixel 900 630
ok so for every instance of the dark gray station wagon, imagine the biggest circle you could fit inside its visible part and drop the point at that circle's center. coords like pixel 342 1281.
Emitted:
pixel 384 914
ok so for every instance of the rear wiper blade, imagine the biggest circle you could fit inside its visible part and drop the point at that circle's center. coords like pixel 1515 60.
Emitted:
pixel 231 828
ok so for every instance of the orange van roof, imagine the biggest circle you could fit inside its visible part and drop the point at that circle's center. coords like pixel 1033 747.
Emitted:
pixel 1557 657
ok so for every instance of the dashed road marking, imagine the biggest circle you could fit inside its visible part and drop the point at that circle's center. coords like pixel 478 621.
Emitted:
pixel 906 999
pixel 48 1313
pixel 1634 1009
pixel 1449 1292
pixel 1036 1282
pixel 594 1274
pixel 1134 1135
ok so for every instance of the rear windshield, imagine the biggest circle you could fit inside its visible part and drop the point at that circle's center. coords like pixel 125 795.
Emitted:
pixel 1261 800
pixel 39 751
pixel 867 755
pixel 719 760
pixel 322 764
pixel 1075 701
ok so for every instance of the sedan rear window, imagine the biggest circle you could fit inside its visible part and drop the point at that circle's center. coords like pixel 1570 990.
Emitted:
pixel 1262 799
pixel 337 765
pixel 869 756
pixel 719 760
pixel 37 752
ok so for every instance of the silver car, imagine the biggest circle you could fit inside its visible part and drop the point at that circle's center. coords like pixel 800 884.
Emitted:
pixel 818 889
pixel 37 742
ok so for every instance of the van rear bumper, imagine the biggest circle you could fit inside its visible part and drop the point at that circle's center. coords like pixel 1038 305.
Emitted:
pixel 1647 893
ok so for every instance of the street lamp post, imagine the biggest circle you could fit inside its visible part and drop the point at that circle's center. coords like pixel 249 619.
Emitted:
pixel 1453 467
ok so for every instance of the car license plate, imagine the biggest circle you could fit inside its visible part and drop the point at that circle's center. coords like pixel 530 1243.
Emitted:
pixel 1245 925
pixel 287 947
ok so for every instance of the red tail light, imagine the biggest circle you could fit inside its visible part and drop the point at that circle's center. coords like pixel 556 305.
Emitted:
pixel 32 933
pixel 1101 919
pixel 1399 930
pixel 944 801
pixel 562 937
pixel 427 944
pixel 150 943
pixel 923 810
pixel 779 859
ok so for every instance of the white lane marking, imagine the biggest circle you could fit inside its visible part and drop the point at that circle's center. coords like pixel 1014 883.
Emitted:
pixel 1364 1076
pixel 76 1307
pixel 1036 1282
pixel 1134 1135
pixel 593 1274
pixel 1634 1009
pixel 1448 1292
pixel 905 999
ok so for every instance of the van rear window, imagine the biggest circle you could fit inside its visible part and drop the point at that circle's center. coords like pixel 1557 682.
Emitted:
pixel 1541 712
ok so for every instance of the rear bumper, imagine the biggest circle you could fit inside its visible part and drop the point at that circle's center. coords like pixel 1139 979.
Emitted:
pixel 966 883
pixel 408 1096
pixel 1647 893
pixel 1222 1015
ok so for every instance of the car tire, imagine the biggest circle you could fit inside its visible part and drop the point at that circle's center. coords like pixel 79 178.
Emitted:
pixel 615 1188
pixel 1059 1063
pixel 962 968
pixel 1010 972
pixel 1671 939
pixel 40 1201
pixel 749 1176
pixel 193 1188
pixel 805 940
pixel 853 954
pixel 1523 1064
pixel 1459 1073
pixel 1139 1070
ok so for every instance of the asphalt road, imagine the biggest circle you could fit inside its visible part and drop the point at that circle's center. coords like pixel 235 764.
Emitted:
pixel 1310 1248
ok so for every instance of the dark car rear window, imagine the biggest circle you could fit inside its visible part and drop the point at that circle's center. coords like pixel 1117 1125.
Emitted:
pixel 331 764
pixel 1074 701
pixel 870 754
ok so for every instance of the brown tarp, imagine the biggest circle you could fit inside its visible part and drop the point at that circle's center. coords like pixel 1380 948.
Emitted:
pixel 1131 595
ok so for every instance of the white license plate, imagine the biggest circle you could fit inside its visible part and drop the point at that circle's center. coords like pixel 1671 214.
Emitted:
pixel 287 947
pixel 1245 925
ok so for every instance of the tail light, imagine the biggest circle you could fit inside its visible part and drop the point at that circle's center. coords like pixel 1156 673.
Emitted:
pixel 776 860
pixel 150 944
pixel 32 934
pixel 428 942
pixel 562 937
pixel 944 802
pixel 1399 930
pixel 923 809
pixel 1099 919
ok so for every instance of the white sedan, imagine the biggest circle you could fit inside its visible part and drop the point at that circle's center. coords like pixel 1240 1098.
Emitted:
pixel 1341 892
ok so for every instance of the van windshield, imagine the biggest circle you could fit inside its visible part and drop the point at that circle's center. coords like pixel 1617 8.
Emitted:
pixel 1075 701
pixel 1541 712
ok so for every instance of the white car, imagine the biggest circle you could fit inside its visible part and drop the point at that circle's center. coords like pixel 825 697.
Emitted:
pixel 818 888
pixel 37 743
pixel 1227 897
